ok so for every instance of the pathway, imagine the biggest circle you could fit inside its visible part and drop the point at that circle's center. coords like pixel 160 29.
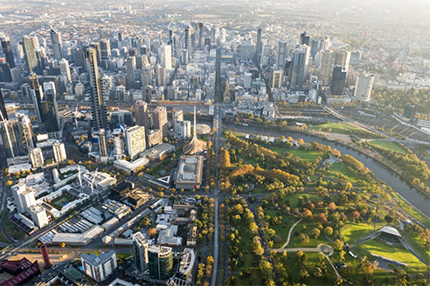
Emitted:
pixel 289 233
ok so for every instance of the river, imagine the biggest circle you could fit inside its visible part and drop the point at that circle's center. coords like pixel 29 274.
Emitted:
pixel 392 179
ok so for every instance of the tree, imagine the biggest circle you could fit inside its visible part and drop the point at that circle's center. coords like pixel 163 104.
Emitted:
pixel 332 207
pixel 303 274
pixel 315 233
pixel 9 183
pixel 266 270
pixel 210 260
pixel 307 214
pixel 304 238
pixel 152 232
pixel 328 230
pixel 338 244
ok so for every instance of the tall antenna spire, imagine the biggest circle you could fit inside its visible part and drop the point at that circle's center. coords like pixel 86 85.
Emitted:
pixel 195 125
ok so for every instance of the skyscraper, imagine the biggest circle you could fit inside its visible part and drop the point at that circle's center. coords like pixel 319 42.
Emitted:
pixel 140 248
pixel 342 59
pixel 135 140
pixel 36 157
pixel 5 72
pixel 98 107
pixel 166 57
pixel 103 152
pixel 189 45
pixel 59 150
pixel 57 44
pixel 30 55
pixel 299 67
pixel 200 32
pixel 131 68
pixel 326 66
pixel 64 69
pixel 305 39
pixel 49 111
pixel 159 115
pixel 338 80
pixel 37 95
pixel 3 111
pixel 105 49
pixel 25 132
pixel 7 51
pixel 259 48
pixel 140 112
pixel 282 54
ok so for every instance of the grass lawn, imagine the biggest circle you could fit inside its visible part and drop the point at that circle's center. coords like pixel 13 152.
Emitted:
pixel 306 155
pixel 13 230
pixel 338 168
pixel 294 240
pixel 123 255
pixel 352 231
pixel 283 228
pixel 335 127
pixel 395 253
pixel 387 145
pixel 411 210
pixel 277 149
pixel 258 190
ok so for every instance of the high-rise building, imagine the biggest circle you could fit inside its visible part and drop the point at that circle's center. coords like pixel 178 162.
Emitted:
pixel 49 111
pixel 160 262
pixel 315 45
pixel 65 69
pixel 7 51
pixel 57 44
pixel 131 68
pixel 184 129
pixel 218 75
pixel 25 131
pixel 155 137
pixel 3 115
pixel 246 51
pixel 30 55
pixel 166 57
pixel 28 199
pixel 363 88
pixel 277 79
pixel 140 249
pixel 342 59
pixel 326 66
pixel 159 114
pixel 105 49
pixel 259 49
pixel 161 76
pixel 305 39
pixel 103 152
pixel 117 144
pixel 200 32
pixel 299 67
pixel 37 95
pixel 189 44
pixel 338 80
pixel 36 157
pixel 99 267
pixel 282 54
pixel 39 217
pixel 11 139
pixel 325 43
pixel 140 111
pixel 5 72
pixel 98 107
pixel 59 150
pixel 178 116
pixel 17 190
pixel 135 140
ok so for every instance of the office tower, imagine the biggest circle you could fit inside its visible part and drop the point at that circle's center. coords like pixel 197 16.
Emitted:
pixel 326 66
pixel 16 75
pixel 140 249
pixel 213 34
pixel 45 255
pixel 223 35
pixel 183 129
pixel 166 57
pixel 200 32
pixel 105 49
pixel 305 39
pixel 282 54
pixel 342 59
pixel 78 56
pixel 246 51
pixel 314 48
pixel 299 67
pixel 49 111
pixel 3 111
pixel 155 137
pixel 160 262
pixel 57 44
pixel 36 157
pixel 325 43
pixel 99 267
pixel 10 138
pixel 131 68
pixel 159 114
pixel 37 94
pixel 28 199
pixel 247 80
pixel 117 144
pixel 277 78
pixel 38 215
pixel 59 150
pixel 189 45
pixel 64 69
pixel 25 131
pixel 135 140
pixel 259 49
pixel 120 37
pixel 338 80
pixel 5 73
pixel 161 76
pixel 178 117
pixel 17 190
pixel 218 75
pixel 103 153
pixel 30 55
pixel 98 107
pixel 363 88
pixel 140 112
pixel 7 51
pixel 107 85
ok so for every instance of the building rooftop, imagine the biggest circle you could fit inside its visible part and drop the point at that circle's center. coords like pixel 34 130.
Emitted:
pixel 95 260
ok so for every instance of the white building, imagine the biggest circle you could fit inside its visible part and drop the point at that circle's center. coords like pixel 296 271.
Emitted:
pixel 64 69
pixel 178 116
pixel 27 199
pixel 38 215
pixel 130 167
pixel 136 142
pixel 60 154
pixel 36 157
pixel 99 267
pixel 166 57
pixel 184 129
pixel 363 88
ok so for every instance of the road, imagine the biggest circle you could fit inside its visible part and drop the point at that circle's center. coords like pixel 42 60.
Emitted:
pixel 3 211
pixel 217 125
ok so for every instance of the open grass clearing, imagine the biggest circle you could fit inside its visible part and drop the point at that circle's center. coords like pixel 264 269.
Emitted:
pixel 307 155
pixel 352 231
pixel 388 145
